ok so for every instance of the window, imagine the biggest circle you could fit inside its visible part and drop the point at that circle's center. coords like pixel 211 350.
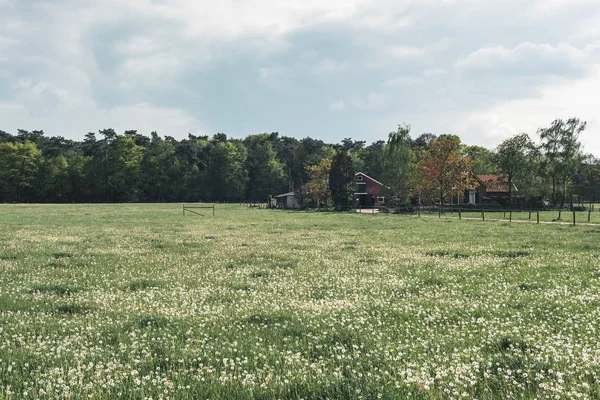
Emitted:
pixel 359 178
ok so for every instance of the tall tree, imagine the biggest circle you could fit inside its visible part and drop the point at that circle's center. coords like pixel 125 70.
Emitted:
pixel 341 179
pixel 398 162
pixel 484 162
pixel 316 190
pixel 372 157
pixel 160 171
pixel 441 170
pixel 123 161
pixel 562 149
pixel 513 158
pixel 228 174
pixel 587 180
pixel 265 172
pixel 19 167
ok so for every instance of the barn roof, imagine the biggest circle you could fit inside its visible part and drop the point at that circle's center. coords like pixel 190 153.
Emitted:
pixel 374 180
pixel 495 183
pixel 287 194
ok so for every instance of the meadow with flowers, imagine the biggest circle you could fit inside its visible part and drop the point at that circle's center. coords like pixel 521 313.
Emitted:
pixel 139 302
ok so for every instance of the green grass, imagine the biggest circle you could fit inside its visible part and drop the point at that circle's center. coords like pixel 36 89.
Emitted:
pixel 137 301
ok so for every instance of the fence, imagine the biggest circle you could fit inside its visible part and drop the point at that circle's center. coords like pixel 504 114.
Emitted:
pixel 192 208
pixel 573 216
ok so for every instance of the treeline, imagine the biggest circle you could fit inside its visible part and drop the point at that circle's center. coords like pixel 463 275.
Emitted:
pixel 130 167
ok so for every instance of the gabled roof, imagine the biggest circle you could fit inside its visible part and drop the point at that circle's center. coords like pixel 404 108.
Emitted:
pixel 287 194
pixel 494 183
pixel 374 180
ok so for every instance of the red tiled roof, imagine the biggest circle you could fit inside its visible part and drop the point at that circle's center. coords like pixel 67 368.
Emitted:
pixel 494 183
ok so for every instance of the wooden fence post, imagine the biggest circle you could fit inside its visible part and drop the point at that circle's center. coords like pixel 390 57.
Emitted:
pixel 574 217
pixel 483 215
pixel 538 216
pixel 510 216
pixel 183 209
pixel 590 214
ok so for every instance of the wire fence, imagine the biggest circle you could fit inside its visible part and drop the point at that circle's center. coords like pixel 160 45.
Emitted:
pixel 573 217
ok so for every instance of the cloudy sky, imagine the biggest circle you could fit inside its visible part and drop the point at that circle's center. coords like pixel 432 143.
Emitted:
pixel 481 69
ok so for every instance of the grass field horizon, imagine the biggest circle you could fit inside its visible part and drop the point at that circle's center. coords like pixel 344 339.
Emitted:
pixel 137 301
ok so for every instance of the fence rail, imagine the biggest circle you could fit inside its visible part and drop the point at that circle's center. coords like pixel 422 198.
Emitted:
pixel 572 216
pixel 191 209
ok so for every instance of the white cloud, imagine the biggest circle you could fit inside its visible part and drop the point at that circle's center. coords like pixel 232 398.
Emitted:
pixel 524 58
pixel 331 66
pixel 370 102
pixel 566 100
pixel 404 81
pixel 432 73
pixel 337 105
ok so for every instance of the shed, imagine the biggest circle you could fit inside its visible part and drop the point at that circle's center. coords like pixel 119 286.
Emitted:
pixel 289 201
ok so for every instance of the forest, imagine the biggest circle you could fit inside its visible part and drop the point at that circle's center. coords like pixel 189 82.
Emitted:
pixel 130 167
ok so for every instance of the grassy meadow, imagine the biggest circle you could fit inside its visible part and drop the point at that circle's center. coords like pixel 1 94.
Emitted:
pixel 138 301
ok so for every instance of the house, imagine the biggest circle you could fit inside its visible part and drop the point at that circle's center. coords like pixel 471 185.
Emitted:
pixel 490 188
pixel 289 201
pixel 367 191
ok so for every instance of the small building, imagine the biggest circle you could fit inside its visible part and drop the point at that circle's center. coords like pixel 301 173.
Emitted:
pixel 289 201
pixel 367 191
pixel 490 188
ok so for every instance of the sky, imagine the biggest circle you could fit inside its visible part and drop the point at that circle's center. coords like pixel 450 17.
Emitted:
pixel 484 70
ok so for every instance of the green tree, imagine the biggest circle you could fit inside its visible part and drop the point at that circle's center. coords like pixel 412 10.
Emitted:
pixel 19 167
pixel 372 158
pixel 265 172
pixel 398 162
pixel 513 158
pixel 227 171
pixel 316 190
pixel 587 180
pixel 562 149
pixel 484 162
pixel 123 161
pixel 160 171
pixel 341 179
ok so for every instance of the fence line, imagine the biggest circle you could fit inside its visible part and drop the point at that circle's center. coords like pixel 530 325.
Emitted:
pixel 191 208
pixel 483 211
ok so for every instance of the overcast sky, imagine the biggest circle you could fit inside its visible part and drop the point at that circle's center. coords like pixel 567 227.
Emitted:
pixel 484 70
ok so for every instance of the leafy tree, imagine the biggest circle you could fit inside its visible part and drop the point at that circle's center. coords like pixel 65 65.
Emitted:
pixel 587 180
pixel 123 160
pixel 513 158
pixel 484 162
pixel 398 162
pixel 441 170
pixel 341 179
pixel 227 171
pixel 160 171
pixel 560 143
pixel 372 158
pixel 265 172
pixel 19 167
pixel 316 190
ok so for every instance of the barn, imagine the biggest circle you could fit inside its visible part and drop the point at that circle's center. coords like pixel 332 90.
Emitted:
pixel 367 193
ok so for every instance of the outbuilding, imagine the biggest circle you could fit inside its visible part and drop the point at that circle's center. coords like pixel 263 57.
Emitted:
pixel 289 201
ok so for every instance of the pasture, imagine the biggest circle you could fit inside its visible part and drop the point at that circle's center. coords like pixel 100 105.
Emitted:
pixel 138 301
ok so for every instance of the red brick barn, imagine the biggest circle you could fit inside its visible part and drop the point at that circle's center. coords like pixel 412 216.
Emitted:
pixel 367 191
